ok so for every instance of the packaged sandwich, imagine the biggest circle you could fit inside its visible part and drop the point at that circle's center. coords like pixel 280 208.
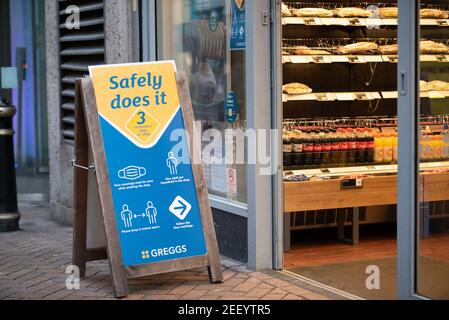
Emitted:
pixel 388 12
pixel 358 48
pixel 312 12
pixel 352 12
pixel 433 14
pixel 296 88
pixel 390 49
pixel 432 47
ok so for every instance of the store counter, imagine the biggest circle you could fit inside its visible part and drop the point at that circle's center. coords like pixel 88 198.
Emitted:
pixel 356 188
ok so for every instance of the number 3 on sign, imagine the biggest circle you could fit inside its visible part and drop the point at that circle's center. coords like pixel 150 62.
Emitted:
pixel 142 118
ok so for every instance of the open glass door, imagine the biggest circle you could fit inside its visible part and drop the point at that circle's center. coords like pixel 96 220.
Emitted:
pixel 432 272
pixel 340 146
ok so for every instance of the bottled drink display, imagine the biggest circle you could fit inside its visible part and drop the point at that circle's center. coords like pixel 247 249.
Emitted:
pixel 333 146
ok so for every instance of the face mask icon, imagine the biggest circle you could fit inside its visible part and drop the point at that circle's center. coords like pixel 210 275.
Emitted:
pixel 132 173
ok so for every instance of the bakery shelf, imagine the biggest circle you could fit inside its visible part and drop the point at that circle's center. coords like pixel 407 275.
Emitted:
pixel 357 96
pixel 369 169
pixel 355 59
pixel 333 96
pixel 357 22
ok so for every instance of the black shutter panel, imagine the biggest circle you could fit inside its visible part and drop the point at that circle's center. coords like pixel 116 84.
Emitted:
pixel 79 48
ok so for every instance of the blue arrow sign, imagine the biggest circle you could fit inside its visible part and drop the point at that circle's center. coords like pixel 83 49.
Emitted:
pixel 180 208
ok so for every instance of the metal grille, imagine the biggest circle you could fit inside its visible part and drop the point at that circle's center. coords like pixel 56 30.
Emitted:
pixel 322 218
pixel 79 48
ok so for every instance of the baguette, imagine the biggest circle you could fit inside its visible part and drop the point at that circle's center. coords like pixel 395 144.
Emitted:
pixel 433 14
pixel 305 51
pixel 359 47
pixel 438 85
pixel 389 49
pixel 286 11
pixel 388 12
pixel 312 12
pixel 296 88
pixel 432 47
pixel 423 86
pixel 352 12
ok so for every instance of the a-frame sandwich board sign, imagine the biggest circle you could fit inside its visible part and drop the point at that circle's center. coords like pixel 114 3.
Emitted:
pixel 154 202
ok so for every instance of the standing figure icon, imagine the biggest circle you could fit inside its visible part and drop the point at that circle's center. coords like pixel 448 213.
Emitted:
pixel 151 213
pixel 172 164
pixel 127 216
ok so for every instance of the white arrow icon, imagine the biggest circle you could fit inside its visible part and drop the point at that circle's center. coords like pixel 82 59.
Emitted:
pixel 180 208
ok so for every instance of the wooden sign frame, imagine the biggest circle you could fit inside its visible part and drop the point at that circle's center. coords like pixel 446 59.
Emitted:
pixel 88 130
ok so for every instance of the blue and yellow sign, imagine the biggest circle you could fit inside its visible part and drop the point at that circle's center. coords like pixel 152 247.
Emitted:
pixel 154 193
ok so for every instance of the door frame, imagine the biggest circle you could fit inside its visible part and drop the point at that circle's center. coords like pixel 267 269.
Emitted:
pixel 277 115
pixel 409 33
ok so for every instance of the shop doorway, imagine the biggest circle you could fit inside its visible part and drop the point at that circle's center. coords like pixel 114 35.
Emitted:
pixel 339 100
pixel 340 147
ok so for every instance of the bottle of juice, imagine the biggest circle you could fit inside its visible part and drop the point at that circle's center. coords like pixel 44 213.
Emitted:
pixel 438 147
pixel 395 148
pixel 378 148
pixel 425 148
pixel 431 147
pixel 446 143
pixel 388 147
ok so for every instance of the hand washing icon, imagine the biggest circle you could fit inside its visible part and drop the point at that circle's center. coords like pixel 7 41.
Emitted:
pixel 132 173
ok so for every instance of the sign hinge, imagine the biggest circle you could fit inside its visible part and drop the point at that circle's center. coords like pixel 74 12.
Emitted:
pixel 90 168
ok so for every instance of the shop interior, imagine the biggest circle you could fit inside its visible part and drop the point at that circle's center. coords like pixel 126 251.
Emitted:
pixel 340 145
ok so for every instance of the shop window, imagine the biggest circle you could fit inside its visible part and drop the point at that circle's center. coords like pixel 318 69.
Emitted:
pixel 196 34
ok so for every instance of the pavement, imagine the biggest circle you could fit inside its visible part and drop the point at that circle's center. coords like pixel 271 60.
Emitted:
pixel 34 260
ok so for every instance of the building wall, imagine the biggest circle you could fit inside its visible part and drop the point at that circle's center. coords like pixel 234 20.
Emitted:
pixel 118 42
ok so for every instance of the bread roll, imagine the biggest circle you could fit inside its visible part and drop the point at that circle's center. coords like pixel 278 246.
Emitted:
pixel 296 88
pixel 433 14
pixel 352 12
pixel 432 47
pixel 312 12
pixel 389 49
pixel 357 48
pixel 388 12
